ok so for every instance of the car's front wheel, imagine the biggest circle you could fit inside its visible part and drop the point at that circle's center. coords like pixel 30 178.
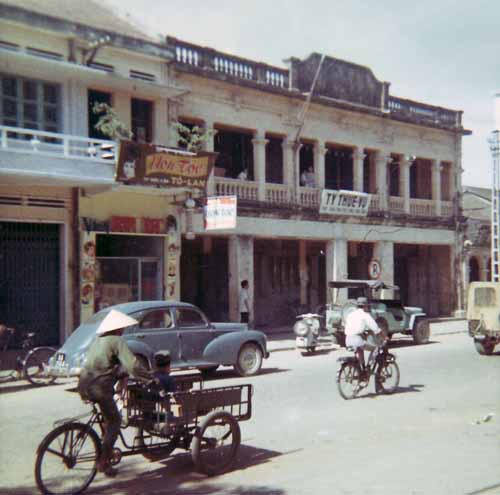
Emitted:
pixel 421 331
pixel 484 347
pixel 249 360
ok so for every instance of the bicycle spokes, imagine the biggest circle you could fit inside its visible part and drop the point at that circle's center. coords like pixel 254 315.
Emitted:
pixel 66 461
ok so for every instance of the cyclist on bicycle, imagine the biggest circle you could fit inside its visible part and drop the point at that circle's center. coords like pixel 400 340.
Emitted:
pixel 108 358
pixel 357 323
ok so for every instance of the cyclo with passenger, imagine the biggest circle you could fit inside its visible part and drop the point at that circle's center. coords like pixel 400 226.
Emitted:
pixel 153 424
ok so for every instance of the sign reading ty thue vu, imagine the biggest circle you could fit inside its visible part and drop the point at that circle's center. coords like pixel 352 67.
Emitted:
pixel 344 202
pixel 220 212
pixel 148 164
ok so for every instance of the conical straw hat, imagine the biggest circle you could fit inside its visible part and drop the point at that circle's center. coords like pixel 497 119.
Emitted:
pixel 114 320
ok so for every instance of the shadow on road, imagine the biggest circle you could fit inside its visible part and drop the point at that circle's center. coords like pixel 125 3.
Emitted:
pixel 318 352
pixel 18 385
pixel 399 390
pixel 176 475
pixel 396 344
pixel 223 374
pixel 18 491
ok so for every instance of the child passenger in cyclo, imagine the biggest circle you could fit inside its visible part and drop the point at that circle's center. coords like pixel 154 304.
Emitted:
pixel 166 385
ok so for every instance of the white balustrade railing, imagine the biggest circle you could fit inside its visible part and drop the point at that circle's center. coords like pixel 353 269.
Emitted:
pixel 277 193
pixel 374 202
pixel 446 208
pixel 422 207
pixel 33 141
pixel 235 187
pixel 396 204
pixel 309 196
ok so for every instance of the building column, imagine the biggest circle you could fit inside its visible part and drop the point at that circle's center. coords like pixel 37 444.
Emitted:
pixel 160 124
pixel 358 158
pixel 259 163
pixel 436 185
pixel 288 162
pixel 383 251
pixel 303 273
pixel 241 255
pixel 209 145
pixel 383 157
pixel 75 105
pixel 319 164
pixel 336 265
pixel 404 181
pixel 485 268
pixel 172 117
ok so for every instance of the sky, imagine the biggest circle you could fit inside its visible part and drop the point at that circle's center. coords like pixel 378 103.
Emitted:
pixel 441 52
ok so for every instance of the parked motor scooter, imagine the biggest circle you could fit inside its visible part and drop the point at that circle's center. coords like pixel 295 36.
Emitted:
pixel 307 329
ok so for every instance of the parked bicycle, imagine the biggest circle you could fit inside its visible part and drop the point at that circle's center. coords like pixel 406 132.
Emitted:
pixel 204 421
pixel 31 362
pixel 381 364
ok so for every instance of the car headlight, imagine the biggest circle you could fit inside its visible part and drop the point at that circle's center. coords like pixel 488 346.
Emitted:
pixel 301 328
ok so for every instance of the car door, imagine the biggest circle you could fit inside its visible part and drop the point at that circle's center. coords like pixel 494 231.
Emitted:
pixel 156 330
pixel 195 332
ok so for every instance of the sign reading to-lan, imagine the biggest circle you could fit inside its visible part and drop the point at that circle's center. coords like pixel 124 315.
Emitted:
pixel 220 212
pixel 148 164
pixel 344 202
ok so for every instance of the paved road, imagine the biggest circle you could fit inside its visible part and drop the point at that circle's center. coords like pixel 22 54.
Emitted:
pixel 427 439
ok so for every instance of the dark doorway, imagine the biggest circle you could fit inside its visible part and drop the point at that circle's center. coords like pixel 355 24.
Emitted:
pixel 30 285
pixel 474 270
pixel 235 153
pixel 93 98
pixel 339 169
pixel 142 120
pixel 274 160
pixel 205 276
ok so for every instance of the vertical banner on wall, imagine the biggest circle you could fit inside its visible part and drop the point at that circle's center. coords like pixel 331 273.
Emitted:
pixel 87 275
pixel 172 248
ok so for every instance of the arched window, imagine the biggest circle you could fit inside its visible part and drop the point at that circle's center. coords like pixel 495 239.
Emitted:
pixel 473 270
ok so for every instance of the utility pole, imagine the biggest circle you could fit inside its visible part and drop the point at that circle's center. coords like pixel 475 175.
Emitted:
pixel 296 141
pixel 495 192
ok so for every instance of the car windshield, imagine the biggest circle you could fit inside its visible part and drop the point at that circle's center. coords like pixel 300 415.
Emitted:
pixel 98 317
pixel 484 297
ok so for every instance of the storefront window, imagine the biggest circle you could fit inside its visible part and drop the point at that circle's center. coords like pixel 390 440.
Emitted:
pixel 129 268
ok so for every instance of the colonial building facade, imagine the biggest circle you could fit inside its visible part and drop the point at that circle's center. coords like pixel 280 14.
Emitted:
pixel 73 239
pixel 477 245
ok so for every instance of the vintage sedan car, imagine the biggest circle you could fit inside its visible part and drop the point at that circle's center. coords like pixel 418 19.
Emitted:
pixel 181 328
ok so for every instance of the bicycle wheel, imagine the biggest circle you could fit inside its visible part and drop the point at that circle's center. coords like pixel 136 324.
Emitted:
pixel 387 378
pixel 66 459
pixel 216 443
pixel 34 366
pixel 348 380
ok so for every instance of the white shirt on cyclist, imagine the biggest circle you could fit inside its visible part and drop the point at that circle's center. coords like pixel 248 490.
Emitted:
pixel 358 321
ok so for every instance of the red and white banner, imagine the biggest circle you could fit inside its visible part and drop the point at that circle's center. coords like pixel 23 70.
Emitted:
pixel 220 212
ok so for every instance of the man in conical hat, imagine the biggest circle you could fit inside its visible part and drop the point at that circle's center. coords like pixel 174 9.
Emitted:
pixel 108 355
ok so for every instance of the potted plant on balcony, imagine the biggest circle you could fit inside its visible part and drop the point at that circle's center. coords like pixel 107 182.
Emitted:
pixel 191 138
pixel 109 123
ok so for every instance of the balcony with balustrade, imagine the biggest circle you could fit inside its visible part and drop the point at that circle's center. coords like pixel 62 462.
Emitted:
pixel 32 156
pixel 207 62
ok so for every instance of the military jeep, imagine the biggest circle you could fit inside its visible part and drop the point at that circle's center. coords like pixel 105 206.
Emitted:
pixel 385 307
pixel 483 315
